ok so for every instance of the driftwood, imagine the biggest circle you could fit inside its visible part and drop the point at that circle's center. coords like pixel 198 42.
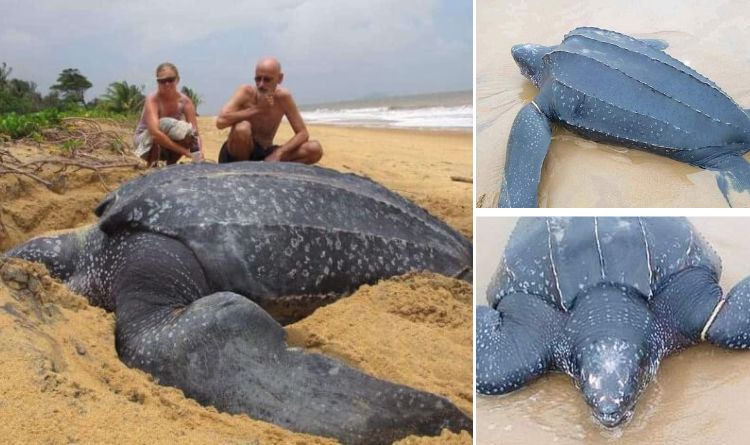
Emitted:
pixel 462 179
pixel 83 145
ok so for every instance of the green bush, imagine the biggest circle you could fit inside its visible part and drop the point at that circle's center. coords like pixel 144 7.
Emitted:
pixel 18 126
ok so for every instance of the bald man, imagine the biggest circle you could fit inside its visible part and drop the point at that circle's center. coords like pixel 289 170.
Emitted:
pixel 254 114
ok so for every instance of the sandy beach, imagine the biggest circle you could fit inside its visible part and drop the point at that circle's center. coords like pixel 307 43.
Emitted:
pixel 63 382
pixel 698 395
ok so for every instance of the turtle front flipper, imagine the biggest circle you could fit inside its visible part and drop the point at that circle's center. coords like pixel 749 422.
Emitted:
pixel 729 324
pixel 527 147
pixel 514 342
pixel 225 351
pixel 683 305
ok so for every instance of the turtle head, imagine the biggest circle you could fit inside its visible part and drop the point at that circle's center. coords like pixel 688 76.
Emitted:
pixel 611 376
pixel 59 253
pixel 528 57
pixel 613 353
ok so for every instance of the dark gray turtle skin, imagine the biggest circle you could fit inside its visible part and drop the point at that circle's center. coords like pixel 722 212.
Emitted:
pixel 603 300
pixel 612 88
pixel 200 264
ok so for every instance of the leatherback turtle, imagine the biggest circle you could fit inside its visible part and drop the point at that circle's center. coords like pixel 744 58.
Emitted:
pixel 603 300
pixel 198 262
pixel 616 89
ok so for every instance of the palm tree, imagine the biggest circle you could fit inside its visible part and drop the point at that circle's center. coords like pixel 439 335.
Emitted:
pixel 123 98
pixel 194 96
pixel 72 85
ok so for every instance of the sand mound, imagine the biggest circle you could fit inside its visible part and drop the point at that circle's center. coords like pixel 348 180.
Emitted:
pixel 28 208
pixel 410 330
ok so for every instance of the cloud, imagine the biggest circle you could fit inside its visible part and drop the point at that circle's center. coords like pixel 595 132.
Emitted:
pixel 329 48
pixel 342 27
pixel 336 29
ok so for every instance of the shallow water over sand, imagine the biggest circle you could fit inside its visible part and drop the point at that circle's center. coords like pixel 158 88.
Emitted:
pixel 699 396
pixel 711 37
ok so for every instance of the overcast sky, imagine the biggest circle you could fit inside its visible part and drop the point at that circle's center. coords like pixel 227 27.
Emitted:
pixel 329 49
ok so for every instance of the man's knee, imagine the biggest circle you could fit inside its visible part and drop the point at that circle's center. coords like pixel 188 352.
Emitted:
pixel 240 141
pixel 241 131
pixel 312 151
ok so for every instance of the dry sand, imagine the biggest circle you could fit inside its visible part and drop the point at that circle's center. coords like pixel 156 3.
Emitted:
pixel 62 381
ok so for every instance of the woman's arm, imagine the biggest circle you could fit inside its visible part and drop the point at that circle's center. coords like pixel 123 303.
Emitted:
pixel 151 116
pixel 192 117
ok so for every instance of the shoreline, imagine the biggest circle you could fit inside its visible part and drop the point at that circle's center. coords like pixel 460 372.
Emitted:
pixel 446 130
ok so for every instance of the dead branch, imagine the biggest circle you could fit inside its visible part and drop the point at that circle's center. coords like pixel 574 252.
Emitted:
pixel 462 179
pixel 84 145
pixel 11 169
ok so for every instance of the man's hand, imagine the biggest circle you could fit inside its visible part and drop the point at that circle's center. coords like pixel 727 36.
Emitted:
pixel 265 101
pixel 275 156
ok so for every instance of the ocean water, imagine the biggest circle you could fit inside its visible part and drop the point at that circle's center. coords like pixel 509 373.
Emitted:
pixel 437 111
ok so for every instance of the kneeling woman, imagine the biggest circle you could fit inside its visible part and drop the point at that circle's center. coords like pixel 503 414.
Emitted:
pixel 168 128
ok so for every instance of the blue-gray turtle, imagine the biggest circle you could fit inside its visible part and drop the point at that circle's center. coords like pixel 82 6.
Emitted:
pixel 603 300
pixel 199 262
pixel 616 89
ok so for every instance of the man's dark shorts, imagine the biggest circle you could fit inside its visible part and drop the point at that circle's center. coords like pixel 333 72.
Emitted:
pixel 259 152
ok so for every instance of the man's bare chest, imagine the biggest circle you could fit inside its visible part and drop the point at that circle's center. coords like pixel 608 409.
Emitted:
pixel 268 119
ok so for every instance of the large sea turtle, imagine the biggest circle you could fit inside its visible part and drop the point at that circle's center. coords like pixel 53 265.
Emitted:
pixel 199 262
pixel 616 89
pixel 603 300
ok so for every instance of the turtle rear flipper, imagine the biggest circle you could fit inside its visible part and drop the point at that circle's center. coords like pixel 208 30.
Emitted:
pixel 734 172
pixel 659 44
pixel 224 350
pixel 527 147
pixel 514 342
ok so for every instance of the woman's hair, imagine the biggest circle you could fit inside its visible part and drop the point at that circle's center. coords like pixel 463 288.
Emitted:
pixel 167 65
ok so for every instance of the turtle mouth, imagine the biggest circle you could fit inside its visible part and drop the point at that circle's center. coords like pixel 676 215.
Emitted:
pixel 614 419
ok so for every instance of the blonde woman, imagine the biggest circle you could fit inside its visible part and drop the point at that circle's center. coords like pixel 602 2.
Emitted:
pixel 168 128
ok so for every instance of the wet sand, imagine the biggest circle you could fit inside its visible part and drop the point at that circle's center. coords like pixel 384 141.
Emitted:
pixel 63 382
pixel 711 37
pixel 698 396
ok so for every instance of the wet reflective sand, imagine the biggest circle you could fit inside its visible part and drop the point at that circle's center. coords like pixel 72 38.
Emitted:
pixel 699 396
pixel 711 37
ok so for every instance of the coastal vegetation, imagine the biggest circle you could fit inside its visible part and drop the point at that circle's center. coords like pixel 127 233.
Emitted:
pixel 25 112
